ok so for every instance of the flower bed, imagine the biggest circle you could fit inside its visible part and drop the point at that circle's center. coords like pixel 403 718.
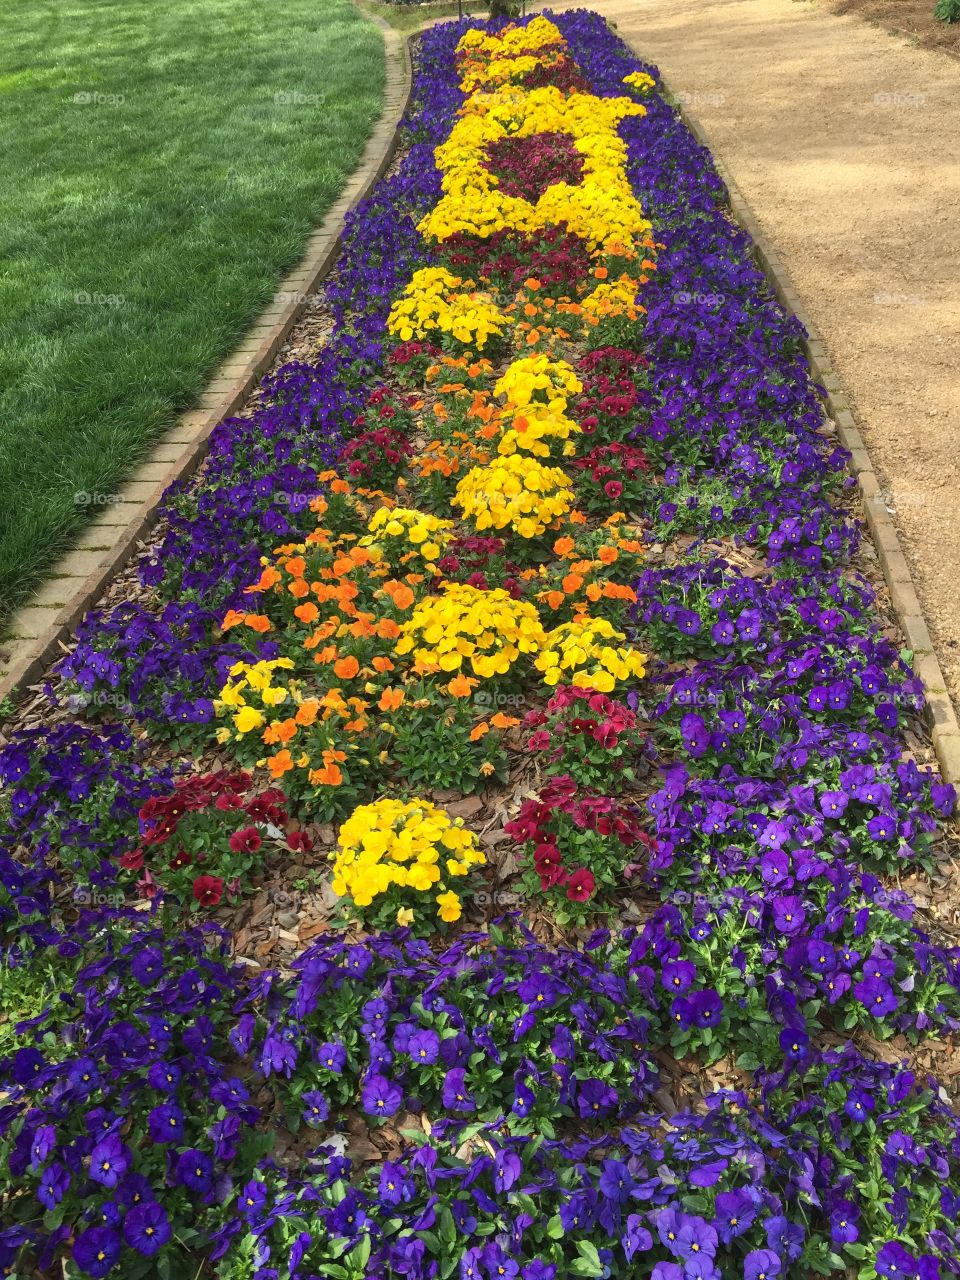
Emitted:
pixel 560 457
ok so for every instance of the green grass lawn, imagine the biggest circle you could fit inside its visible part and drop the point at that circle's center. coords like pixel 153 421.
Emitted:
pixel 163 166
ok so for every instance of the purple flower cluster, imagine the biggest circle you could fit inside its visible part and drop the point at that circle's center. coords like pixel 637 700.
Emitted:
pixel 678 1201
pixel 496 1028
pixel 74 797
pixel 122 1115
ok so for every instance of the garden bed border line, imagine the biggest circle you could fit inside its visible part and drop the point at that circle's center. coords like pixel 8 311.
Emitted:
pixel 940 714
pixel 39 632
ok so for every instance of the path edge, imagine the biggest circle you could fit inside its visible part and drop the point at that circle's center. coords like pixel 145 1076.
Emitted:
pixel 110 542
pixel 939 712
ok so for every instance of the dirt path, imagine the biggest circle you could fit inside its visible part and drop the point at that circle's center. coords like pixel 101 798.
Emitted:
pixel 846 142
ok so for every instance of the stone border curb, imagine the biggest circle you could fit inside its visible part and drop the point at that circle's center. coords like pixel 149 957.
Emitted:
pixel 940 714
pixel 38 632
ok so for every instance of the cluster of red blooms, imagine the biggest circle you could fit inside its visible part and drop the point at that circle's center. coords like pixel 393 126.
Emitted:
pixel 470 559
pixel 374 459
pixel 385 406
pixel 567 820
pixel 525 167
pixel 611 398
pixel 613 467
pixel 595 715
pixel 561 72
pixel 555 257
pixel 209 823
pixel 410 361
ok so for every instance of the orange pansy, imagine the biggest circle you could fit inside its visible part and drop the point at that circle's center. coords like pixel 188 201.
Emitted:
pixel 280 764
pixel 307 711
pixel 328 776
pixel 390 699
pixel 501 721
pixel 460 686
pixel 258 622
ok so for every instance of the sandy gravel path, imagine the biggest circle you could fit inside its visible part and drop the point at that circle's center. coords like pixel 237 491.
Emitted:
pixel 846 142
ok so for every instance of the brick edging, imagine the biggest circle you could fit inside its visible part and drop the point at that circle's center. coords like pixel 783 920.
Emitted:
pixel 940 714
pixel 105 546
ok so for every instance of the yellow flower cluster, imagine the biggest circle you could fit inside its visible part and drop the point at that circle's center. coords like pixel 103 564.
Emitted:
pixel 613 298
pixel 585 653
pixel 487 61
pixel 640 81
pixel 484 631
pixel 335 728
pixel 532 428
pixel 478 74
pixel 256 678
pixel 511 41
pixel 538 380
pixel 406 845
pixel 601 207
pixel 398 532
pixel 536 390
pixel 437 301
pixel 514 492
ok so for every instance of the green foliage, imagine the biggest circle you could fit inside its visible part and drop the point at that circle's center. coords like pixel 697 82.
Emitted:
pixel 433 747
pixel 947 10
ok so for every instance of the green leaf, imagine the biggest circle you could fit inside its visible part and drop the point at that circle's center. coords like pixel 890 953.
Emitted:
pixel 588 1251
